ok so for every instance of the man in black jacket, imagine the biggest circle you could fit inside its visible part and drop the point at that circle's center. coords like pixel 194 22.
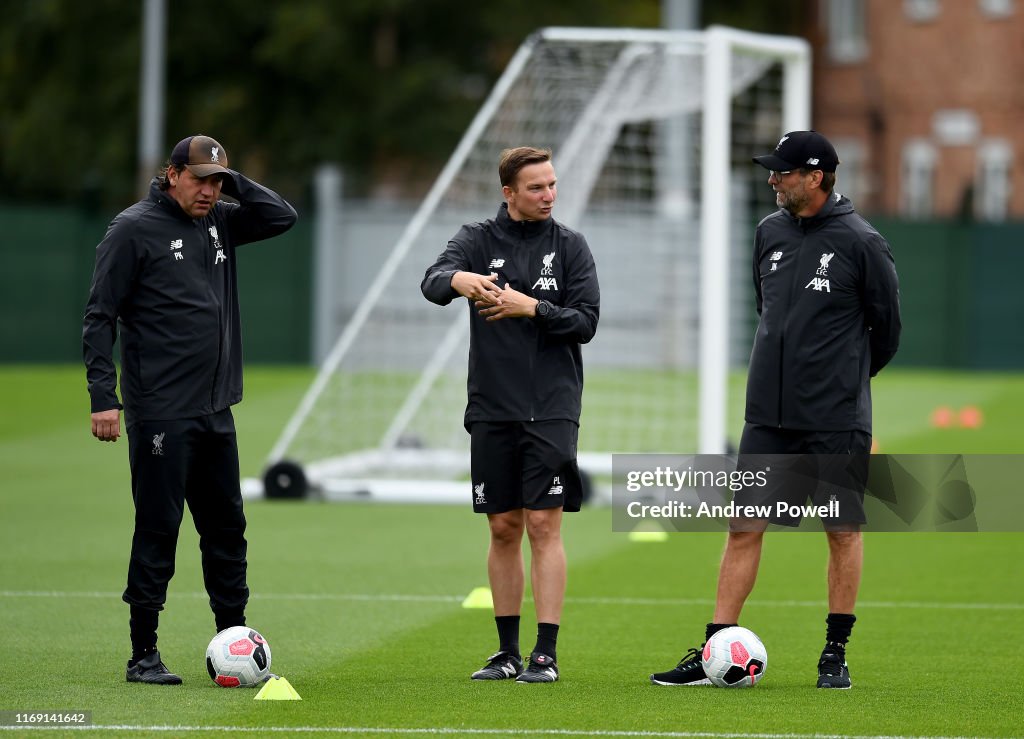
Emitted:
pixel 166 280
pixel 533 300
pixel 828 300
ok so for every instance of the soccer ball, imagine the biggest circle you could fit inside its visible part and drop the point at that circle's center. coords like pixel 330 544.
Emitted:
pixel 734 658
pixel 238 657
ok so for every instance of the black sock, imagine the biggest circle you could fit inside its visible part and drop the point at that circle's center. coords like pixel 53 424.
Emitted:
pixel 547 635
pixel 837 631
pixel 712 629
pixel 142 624
pixel 508 634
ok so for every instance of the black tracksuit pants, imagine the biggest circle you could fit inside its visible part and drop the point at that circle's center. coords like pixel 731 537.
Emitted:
pixel 193 461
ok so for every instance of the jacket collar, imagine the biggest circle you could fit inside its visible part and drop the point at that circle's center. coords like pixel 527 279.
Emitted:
pixel 523 229
pixel 166 202
pixel 834 205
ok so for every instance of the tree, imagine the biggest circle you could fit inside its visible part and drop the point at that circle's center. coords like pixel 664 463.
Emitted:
pixel 383 87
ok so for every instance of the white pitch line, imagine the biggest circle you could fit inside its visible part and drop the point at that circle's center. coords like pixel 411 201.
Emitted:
pixel 598 601
pixel 370 597
pixel 452 731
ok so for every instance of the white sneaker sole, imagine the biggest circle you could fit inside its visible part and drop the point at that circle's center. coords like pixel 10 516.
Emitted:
pixel 705 681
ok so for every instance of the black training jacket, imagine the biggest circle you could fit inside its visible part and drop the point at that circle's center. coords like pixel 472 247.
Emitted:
pixel 523 369
pixel 170 284
pixel 828 297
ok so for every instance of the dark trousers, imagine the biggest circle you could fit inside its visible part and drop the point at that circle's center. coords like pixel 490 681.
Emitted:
pixel 193 461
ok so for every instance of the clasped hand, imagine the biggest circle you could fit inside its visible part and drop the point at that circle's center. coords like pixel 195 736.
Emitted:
pixel 493 302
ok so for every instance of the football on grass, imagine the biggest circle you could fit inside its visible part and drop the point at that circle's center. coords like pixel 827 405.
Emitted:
pixel 238 657
pixel 734 658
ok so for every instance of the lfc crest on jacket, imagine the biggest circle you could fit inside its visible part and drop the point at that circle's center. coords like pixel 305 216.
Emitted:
pixel 546 281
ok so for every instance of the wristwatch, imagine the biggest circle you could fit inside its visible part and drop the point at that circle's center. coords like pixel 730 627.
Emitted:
pixel 543 308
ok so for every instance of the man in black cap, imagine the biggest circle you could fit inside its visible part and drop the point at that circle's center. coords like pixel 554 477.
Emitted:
pixel 165 279
pixel 827 291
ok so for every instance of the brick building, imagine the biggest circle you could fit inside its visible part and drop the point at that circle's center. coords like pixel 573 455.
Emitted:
pixel 924 100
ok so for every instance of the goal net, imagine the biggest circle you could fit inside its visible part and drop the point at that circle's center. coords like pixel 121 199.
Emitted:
pixel 652 134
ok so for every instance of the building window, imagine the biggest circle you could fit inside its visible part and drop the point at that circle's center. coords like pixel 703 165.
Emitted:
pixel 846 29
pixel 917 196
pixel 921 11
pixel 996 8
pixel 851 177
pixel 992 182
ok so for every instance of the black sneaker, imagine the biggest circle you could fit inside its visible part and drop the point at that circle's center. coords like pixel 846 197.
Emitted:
pixel 500 666
pixel 150 669
pixel 542 669
pixel 832 671
pixel 689 671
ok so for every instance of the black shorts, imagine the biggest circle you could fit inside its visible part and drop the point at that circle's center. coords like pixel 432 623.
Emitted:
pixel 822 467
pixel 520 464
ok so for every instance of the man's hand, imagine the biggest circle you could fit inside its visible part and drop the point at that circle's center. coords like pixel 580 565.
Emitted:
pixel 510 304
pixel 106 425
pixel 480 288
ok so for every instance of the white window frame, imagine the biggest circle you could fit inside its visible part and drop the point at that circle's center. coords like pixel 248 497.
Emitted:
pixel 917 181
pixel 852 176
pixel 997 9
pixel 992 183
pixel 846 30
pixel 922 11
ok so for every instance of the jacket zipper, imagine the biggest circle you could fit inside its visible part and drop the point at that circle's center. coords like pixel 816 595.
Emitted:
pixel 789 304
pixel 525 271
pixel 220 325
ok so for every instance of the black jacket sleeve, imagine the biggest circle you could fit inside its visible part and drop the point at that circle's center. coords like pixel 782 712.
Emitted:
pixel 115 269
pixel 437 281
pixel 576 320
pixel 260 214
pixel 881 291
pixel 758 296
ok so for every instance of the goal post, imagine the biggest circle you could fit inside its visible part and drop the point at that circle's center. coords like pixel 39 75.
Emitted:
pixel 652 133
pixel 794 113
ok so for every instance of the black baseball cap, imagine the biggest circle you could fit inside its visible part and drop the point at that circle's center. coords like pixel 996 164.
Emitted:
pixel 798 149
pixel 201 155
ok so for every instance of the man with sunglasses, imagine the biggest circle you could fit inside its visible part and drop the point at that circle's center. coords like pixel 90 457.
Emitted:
pixel 828 300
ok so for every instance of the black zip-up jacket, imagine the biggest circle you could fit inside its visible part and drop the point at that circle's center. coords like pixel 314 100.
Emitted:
pixel 523 369
pixel 170 284
pixel 828 297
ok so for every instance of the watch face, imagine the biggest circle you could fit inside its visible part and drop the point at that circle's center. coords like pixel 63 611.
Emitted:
pixel 543 307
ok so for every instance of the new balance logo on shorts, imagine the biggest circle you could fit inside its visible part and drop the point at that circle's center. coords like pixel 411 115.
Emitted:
pixel 556 486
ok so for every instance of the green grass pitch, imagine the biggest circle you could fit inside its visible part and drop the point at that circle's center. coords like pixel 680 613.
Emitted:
pixel 361 603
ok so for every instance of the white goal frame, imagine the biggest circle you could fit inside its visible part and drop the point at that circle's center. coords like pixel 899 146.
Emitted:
pixel 344 477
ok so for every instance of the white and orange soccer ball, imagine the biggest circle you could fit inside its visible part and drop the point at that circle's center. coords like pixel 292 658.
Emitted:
pixel 238 657
pixel 734 658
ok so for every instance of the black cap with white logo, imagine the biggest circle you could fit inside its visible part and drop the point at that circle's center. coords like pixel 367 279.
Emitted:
pixel 801 149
